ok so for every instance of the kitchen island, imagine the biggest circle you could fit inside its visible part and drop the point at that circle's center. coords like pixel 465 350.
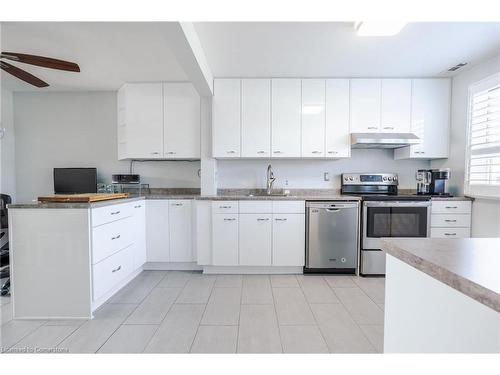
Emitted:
pixel 442 295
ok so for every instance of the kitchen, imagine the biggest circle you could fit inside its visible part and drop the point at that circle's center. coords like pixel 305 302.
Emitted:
pixel 262 198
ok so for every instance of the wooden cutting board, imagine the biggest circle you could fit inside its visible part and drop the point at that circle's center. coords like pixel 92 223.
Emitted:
pixel 82 198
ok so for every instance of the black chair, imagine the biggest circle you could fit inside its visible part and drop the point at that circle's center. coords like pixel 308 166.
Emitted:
pixel 4 244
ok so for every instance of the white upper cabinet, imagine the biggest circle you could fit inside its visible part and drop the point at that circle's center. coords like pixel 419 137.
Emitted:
pixel 365 105
pixel 142 114
pixel 395 107
pixel 256 118
pixel 338 139
pixel 313 118
pixel 226 118
pixel 181 136
pixel 430 120
pixel 286 118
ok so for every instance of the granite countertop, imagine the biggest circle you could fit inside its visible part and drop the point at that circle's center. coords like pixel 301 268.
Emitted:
pixel 469 265
pixel 295 194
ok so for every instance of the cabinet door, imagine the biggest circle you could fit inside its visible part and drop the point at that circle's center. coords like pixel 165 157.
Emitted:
pixel 365 105
pixel 313 118
pixel 179 219
pixel 431 117
pixel 181 108
pixel 255 239
pixel 255 118
pixel 226 118
pixel 395 106
pixel 288 239
pixel 225 240
pixel 338 138
pixel 139 230
pixel 144 120
pixel 285 118
pixel 157 238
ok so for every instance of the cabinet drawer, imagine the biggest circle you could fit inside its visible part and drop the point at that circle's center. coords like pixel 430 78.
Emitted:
pixel 256 207
pixel 109 238
pixel 450 232
pixel 225 207
pixel 442 220
pixel 108 214
pixel 109 272
pixel 289 207
pixel 451 207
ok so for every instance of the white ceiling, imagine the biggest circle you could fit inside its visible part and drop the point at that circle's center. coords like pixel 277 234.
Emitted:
pixel 300 49
pixel 109 54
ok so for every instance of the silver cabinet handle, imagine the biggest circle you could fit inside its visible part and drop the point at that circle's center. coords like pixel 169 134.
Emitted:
pixel 280 219
pixel 224 206
pixel 388 127
pixel 277 152
pixel 138 206
pixel 171 153
pixel 333 152
pixel 316 152
pixel 373 127
pixel 263 219
pixel 230 219
pixel 155 153
pixel 451 207
pixel 115 213
pixel 116 237
pixel 176 204
pixel 419 152
pixel 117 269
pixel 450 221
pixel 450 234
pixel 261 152
pixel 231 152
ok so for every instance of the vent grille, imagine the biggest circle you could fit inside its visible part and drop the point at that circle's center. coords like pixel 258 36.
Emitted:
pixel 456 67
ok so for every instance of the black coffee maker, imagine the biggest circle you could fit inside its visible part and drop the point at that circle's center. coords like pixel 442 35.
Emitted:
pixel 432 181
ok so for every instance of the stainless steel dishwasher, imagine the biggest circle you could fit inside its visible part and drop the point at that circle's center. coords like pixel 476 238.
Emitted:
pixel 332 237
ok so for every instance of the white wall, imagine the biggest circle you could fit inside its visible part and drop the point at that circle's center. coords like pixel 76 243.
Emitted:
pixel 78 129
pixel 309 173
pixel 7 147
pixel 485 212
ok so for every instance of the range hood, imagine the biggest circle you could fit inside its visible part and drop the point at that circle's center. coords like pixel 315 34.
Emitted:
pixel 383 140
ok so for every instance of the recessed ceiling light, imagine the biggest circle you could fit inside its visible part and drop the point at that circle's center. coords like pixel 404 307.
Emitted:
pixel 378 28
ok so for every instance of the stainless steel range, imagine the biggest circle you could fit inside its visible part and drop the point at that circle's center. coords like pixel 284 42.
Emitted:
pixel 385 213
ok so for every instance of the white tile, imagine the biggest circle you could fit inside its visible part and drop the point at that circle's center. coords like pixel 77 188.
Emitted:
pixel 66 322
pixel 340 281
pixel 360 306
pixel 339 330
pixel 175 279
pixel 94 333
pixel 197 290
pixel 223 308
pixel 136 290
pixel 302 339
pixel 256 290
pixel 373 287
pixel 46 338
pixel 284 281
pixel 177 331
pixel 292 307
pixel 15 330
pixel 258 330
pixel 4 300
pixel 375 334
pixel 316 289
pixel 5 313
pixel 154 308
pixel 215 339
pixel 229 281
pixel 129 339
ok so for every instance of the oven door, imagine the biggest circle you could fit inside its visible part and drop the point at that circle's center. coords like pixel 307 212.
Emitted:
pixel 394 219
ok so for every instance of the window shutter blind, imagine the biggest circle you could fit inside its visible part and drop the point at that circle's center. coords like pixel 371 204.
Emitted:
pixel 483 173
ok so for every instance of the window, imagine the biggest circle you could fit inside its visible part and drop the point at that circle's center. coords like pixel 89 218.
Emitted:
pixel 482 176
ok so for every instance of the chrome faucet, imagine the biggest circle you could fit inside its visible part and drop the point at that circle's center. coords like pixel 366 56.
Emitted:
pixel 270 179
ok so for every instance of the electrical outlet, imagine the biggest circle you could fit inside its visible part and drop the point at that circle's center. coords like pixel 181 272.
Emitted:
pixel 326 176
pixel 286 182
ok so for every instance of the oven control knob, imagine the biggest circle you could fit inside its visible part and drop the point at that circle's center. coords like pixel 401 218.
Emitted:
pixel 345 178
pixel 385 179
pixel 389 178
pixel 350 178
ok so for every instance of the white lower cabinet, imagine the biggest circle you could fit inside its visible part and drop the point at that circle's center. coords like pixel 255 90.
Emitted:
pixel 179 224
pixel 157 236
pixel 288 239
pixel 225 239
pixel 138 227
pixel 451 218
pixel 255 239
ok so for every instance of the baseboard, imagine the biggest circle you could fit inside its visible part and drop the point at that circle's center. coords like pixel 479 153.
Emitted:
pixel 171 266
pixel 252 270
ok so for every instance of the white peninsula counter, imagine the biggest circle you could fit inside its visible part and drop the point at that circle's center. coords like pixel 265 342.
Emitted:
pixel 442 295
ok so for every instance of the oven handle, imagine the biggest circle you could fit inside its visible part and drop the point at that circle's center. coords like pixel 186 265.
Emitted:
pixel 396 204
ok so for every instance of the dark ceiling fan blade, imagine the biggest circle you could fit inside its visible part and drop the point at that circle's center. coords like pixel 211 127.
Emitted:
pixel 23 75
pixel 45 62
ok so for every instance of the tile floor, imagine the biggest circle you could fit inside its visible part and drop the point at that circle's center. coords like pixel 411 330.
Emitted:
pixel 182 312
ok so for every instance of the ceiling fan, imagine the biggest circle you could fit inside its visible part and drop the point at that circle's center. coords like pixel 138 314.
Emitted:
pixel 45 62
